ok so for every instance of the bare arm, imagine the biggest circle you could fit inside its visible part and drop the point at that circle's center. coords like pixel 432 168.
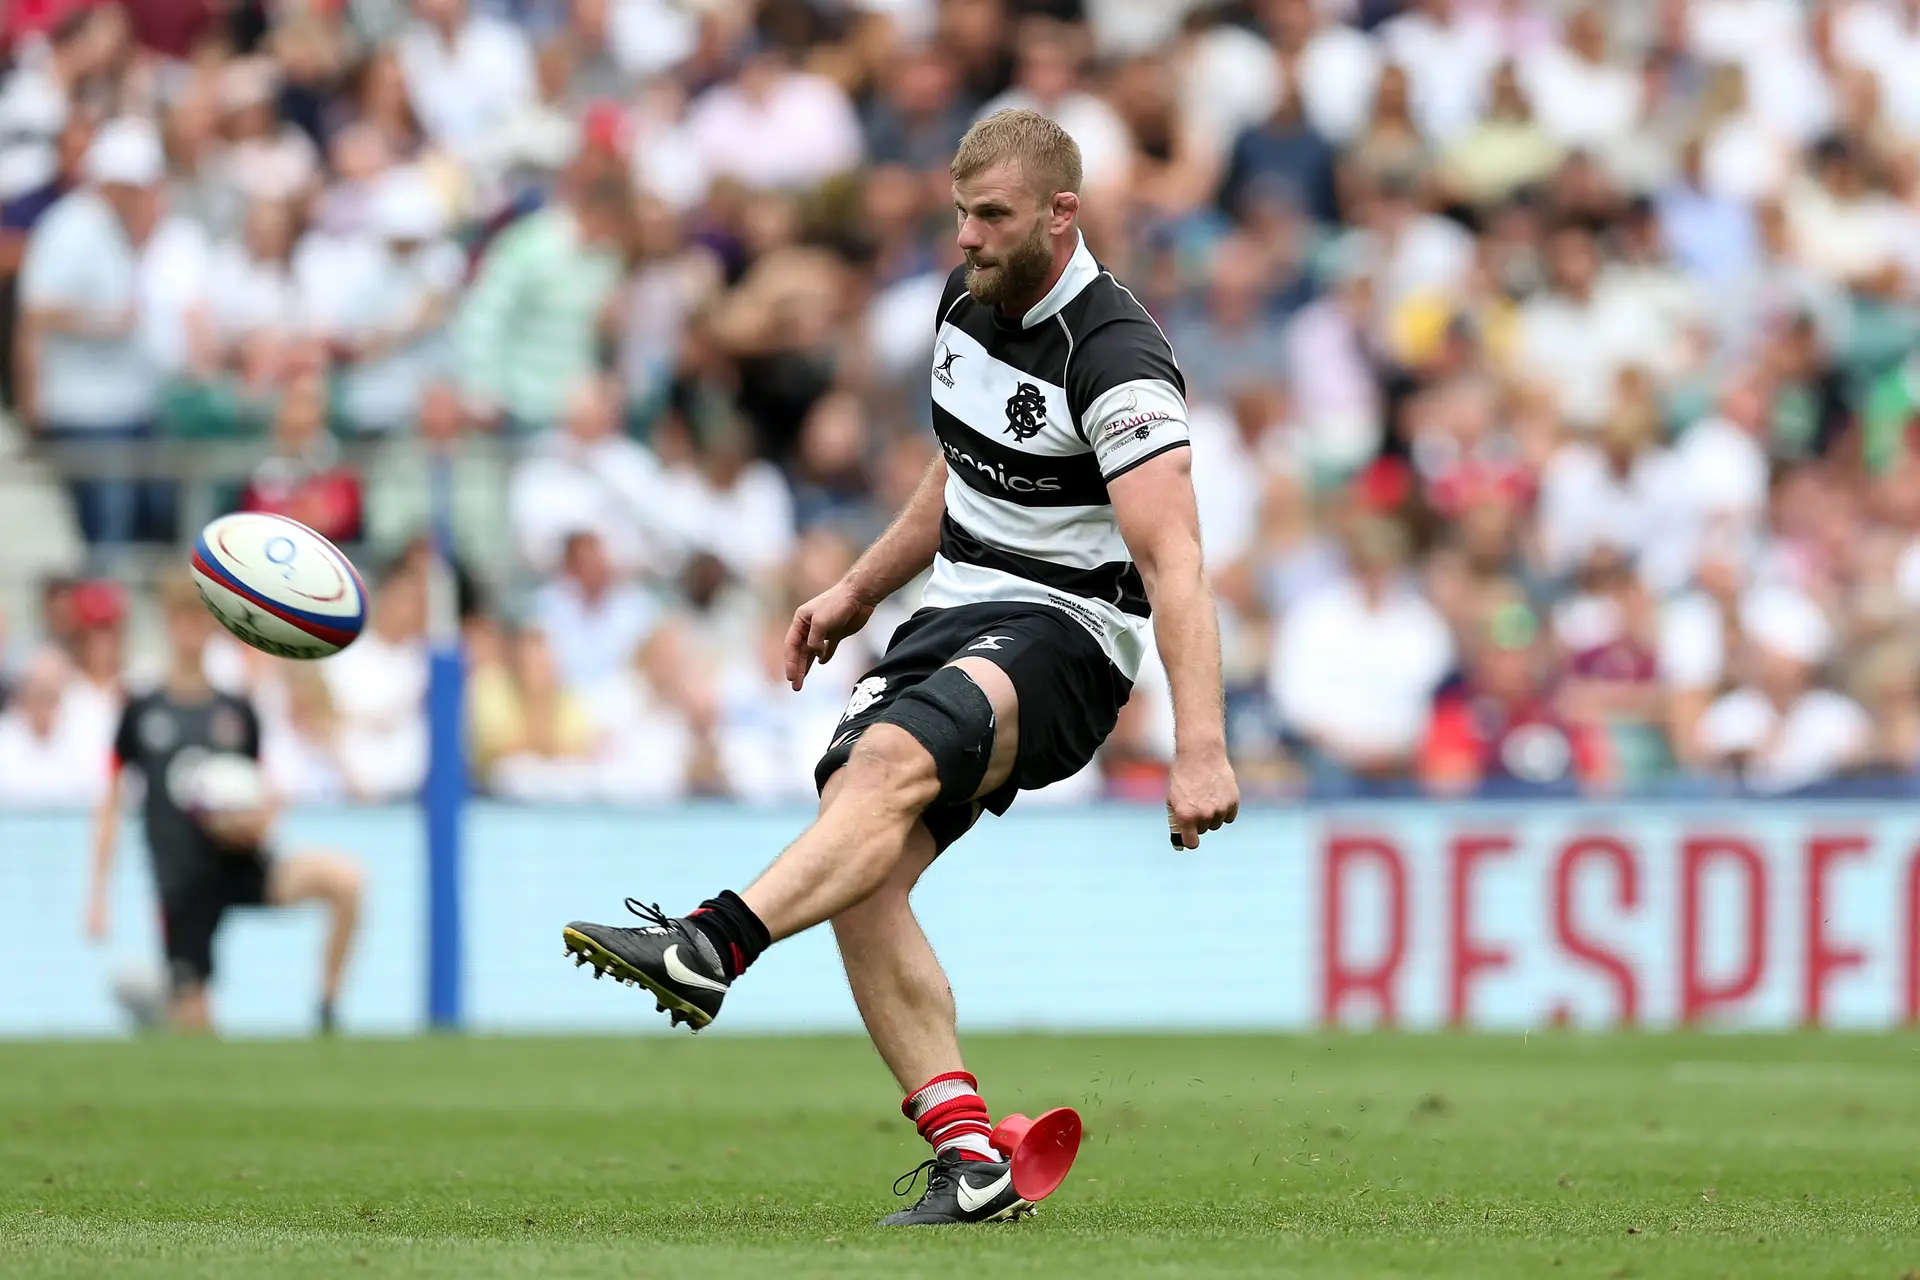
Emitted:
pixel 895 558
pixel 1154 506
pixel 106 832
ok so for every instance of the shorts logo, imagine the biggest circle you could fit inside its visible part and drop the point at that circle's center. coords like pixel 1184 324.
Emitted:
pixel 987 642
pixel 1026 412
pixel 865 694
pixel 944 370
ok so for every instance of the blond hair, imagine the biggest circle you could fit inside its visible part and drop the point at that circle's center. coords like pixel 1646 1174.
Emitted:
pixel 1048 156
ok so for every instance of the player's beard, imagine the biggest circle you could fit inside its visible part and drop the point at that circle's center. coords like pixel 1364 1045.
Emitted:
pixel 1017 274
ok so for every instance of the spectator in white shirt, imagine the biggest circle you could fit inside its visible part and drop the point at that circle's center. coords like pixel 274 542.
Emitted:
pixel 1355 664
pixel 50 757
pixel 90 376
pixel 733 505
pixel 250 291
pixel 300 749
pixel 586 475
pixel 394 321
pixel 1578 96
pixel 1448 61
pixel 1618 491
pixel 593 623
pixel 1416 251
pixel 1779 731
pixel 379 689
pixel 1696 630
pixel 1742 156
pixel 266 158
pixel 774 127
pixel 1841 229
pixel 1723 467
pixel 1883 36
pixel 465 73
pixel 1336 67
pixel 1047 80
pixel 1574 341
pixel 656 718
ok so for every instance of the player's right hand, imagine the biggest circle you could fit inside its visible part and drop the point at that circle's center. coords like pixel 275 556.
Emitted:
pixel 97 918
pixel 820 625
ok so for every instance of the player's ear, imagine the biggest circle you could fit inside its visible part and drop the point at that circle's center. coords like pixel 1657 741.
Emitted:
pixel 1066 206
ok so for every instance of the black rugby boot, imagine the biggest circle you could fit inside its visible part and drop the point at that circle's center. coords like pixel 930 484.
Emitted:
pixel 668 957
pixel 960 1192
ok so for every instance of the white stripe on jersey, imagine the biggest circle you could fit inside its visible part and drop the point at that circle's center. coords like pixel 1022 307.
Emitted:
pixel 1122 636
pixel 982 385
pixel 1078 537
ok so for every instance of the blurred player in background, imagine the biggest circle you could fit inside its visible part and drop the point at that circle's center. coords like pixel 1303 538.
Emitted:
pixel 1058 519
pixel 208 820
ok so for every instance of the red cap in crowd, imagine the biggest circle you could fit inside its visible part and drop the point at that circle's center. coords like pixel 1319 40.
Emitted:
pixel 99 604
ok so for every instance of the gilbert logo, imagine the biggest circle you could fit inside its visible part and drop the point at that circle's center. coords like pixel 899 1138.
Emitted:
pixel 944 370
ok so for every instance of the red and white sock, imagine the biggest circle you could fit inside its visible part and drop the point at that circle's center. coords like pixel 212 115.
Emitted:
pixel 950 1113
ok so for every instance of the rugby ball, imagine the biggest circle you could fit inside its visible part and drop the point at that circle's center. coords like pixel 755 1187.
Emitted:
pixel 216 784
pixel 279 586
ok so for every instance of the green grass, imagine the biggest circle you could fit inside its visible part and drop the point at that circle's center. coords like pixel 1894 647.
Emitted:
pixel 1328 1158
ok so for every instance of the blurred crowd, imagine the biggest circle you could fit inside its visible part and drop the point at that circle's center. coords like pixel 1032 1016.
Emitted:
pixel 1552 365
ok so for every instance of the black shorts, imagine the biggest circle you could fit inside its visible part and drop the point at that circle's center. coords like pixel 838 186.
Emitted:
pixel 1070 694
pixel 190 913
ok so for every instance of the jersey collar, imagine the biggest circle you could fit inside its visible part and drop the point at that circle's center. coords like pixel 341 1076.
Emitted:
pixel 1081 269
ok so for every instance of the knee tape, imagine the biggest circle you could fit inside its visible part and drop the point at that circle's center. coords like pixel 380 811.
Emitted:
pixel 951 716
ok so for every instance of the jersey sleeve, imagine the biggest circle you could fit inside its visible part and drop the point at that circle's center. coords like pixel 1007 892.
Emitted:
pixel 1127 396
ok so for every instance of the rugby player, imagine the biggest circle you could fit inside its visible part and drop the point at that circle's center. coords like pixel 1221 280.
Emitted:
pixel 1058 522
pixel 205 860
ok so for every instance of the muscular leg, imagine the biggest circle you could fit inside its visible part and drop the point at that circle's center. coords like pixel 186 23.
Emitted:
pixel 861 836
pixel 338 883
pixel 902 993
pixel 897 982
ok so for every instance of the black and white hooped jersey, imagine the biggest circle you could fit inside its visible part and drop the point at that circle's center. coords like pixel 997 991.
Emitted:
pixel 1036 415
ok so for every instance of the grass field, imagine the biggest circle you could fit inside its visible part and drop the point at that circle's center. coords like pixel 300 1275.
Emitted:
pixel 1337 1157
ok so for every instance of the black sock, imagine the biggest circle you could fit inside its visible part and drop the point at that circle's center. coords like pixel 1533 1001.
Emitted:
pixel 735 932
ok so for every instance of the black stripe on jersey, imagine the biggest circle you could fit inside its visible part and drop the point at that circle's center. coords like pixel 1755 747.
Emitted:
pixel 1014 475
pixel 1169 447
pixel 1117 582
pixel 1039 352
pixel 1116 342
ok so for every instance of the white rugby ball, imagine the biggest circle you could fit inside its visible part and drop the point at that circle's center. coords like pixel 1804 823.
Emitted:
pixel 221 784
pixel 279 586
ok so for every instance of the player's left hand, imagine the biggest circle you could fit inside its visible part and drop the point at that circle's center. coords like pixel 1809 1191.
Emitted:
pixel 1202 795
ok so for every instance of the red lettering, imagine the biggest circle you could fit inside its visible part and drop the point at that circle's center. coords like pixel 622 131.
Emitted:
pixel 1823 959
pixel 1626 872
pixel 1699 996
pixel 1343 978
pixel 1913 939
pixel 1467 956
